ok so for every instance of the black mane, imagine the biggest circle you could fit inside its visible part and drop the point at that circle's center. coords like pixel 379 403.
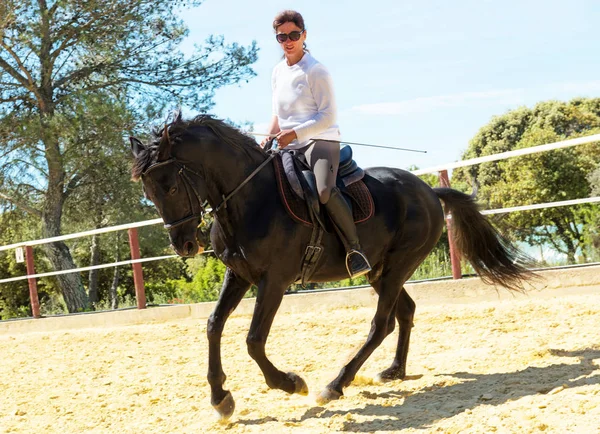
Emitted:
pixel 180 129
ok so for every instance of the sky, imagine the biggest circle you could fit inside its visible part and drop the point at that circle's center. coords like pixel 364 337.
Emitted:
pixel 420 74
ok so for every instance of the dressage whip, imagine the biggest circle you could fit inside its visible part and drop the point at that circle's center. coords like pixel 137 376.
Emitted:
pixel 352 143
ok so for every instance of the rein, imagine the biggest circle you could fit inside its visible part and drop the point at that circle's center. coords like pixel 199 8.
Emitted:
pixel 187 182
pixel 244 182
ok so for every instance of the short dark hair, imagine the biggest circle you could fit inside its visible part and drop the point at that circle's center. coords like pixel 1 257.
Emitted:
pixel 288 16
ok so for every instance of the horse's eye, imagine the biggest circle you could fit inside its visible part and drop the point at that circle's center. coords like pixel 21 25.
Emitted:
pixel 173 190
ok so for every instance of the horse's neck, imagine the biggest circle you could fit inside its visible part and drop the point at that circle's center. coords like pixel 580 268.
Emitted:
pixel 226 172
pixel 225 176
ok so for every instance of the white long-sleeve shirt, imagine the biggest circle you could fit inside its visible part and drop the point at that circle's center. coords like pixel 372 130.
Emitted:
pixel 303 100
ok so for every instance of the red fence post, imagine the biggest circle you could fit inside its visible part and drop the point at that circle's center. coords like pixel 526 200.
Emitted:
pixel 138 276
pixel 454 253
pixel 33 294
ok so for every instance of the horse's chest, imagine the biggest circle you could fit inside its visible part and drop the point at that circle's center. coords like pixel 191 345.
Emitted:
pixel 236 260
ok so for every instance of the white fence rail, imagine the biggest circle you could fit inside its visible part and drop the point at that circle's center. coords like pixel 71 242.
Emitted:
pixel 158 258
pixel 542 205
pixel 93 267
pixel 83 234
pixel 516 153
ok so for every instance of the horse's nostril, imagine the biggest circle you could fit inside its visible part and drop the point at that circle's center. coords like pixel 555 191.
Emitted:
pixel 188 248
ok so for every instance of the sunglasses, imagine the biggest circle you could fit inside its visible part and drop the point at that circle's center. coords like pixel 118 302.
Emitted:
pixel 294 36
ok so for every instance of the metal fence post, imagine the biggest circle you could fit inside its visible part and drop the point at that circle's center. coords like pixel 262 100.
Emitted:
pixel 454 253
pixel 138 276
pixel 33 294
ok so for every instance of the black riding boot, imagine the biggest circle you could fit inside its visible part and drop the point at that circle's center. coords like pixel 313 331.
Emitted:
pixel 341 215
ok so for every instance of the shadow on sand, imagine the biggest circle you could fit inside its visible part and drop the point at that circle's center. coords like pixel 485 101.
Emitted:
pixel 422 408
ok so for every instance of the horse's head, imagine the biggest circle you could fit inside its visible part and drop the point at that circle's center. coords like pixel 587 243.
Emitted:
pixel 187 162
pixel 178 192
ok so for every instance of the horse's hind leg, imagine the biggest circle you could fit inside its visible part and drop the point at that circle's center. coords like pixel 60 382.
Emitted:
pixel 268 300
pixel 234 288
pixel 388 289
pixel 405 312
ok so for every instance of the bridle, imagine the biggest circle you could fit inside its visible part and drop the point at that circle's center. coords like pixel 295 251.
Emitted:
pixel 183 172
pixel 188 185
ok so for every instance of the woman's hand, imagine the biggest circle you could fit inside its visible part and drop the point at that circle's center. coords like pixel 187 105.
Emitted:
pixel 264 142
pixel 273 131
pixel 285 137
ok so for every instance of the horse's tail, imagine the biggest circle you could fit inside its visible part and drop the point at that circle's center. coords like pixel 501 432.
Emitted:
pixel 492 256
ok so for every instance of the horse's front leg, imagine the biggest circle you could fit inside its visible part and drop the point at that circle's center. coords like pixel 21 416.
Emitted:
pixel 268 300
pixel 234 288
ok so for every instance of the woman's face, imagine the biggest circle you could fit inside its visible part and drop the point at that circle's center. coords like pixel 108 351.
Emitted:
pixel 289 47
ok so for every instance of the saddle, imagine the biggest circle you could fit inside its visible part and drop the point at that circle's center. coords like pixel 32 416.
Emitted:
pixel 298 191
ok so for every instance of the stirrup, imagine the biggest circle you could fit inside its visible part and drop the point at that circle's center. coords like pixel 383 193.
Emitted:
pixel 362 269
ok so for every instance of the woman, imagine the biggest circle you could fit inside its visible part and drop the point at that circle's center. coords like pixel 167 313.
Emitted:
pixel 304 119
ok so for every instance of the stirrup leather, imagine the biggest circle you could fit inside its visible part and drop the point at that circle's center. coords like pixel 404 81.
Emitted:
pixel 365 269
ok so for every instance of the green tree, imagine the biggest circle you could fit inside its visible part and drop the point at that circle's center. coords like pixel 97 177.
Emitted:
pixel 202 281
pixel 57 55
pixel 594 232
pixel 538 178
pixel 595 182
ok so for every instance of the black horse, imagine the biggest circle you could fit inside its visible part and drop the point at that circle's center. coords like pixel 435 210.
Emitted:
pixel 192 164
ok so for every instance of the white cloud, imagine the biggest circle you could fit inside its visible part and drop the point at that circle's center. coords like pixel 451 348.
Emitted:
pixel 583 88
pixel 503 97
pixel 425 104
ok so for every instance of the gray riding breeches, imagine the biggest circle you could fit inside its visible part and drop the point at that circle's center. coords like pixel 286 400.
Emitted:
pixel 324 160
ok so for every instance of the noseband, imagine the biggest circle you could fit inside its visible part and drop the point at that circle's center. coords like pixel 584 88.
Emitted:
pixel 189 185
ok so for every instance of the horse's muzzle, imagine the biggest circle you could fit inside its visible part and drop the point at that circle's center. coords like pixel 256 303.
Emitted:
pixel 188 249
pixel 189 245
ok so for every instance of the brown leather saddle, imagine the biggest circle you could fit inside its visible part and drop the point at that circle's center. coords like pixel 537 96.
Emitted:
pixel 298 190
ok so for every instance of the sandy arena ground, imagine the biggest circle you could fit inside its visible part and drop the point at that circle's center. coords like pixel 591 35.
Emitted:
pixel 513 366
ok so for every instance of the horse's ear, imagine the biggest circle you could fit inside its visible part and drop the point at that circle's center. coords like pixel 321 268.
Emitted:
pixel 136 146
pixel 164 147
pixel 178 116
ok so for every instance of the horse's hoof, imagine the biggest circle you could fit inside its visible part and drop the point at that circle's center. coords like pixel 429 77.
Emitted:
pixel 225 408
pixel 300 386
pixel 390 374
pixel 328 395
